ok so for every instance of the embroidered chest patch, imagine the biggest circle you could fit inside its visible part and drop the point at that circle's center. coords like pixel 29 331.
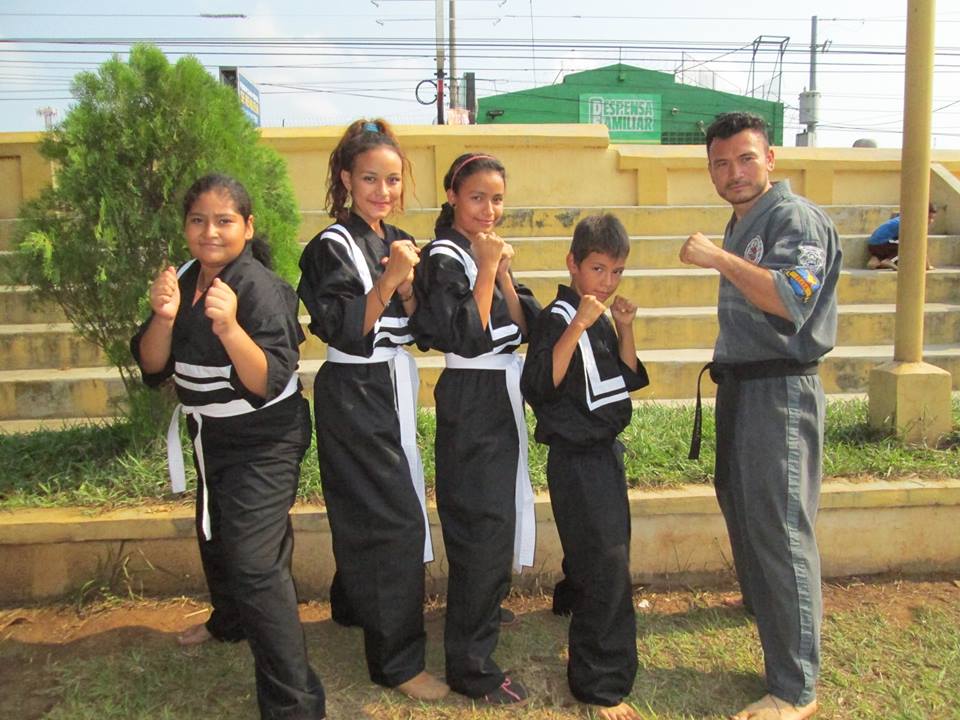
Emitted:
pixel 754 251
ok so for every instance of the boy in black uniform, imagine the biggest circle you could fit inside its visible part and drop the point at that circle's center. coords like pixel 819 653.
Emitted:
pixel 577 377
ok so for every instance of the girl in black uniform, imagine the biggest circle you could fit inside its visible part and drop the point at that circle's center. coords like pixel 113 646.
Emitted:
pixel 357 285
pixel 225 327
pixel 470 308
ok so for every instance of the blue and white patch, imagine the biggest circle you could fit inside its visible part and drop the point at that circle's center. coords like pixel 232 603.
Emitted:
pixel 802 281
pixel 812 257
pixel 754 251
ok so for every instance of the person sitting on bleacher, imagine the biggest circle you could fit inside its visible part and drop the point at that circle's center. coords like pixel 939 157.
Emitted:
pixel 884 243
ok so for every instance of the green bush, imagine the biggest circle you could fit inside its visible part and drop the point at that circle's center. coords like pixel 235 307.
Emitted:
pixel 138 135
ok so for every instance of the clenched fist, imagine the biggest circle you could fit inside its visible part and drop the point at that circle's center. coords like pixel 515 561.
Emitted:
pixel 699 250
pixel 221 306
pixel 165 294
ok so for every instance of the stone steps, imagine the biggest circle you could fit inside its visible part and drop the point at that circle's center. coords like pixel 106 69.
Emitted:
pixel 649 288
pixel 662 252
pixel 94 392
pixel 51 376
pixel 652 220
pixel 57 346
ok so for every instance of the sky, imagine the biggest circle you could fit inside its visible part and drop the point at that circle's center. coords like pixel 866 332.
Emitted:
pixel 327 63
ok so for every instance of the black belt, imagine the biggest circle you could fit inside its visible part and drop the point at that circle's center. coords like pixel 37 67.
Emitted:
pixel 743 371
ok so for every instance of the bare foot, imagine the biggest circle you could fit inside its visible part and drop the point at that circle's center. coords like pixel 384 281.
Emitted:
pixel 618 712
pixel 424 687
pixel 770 707
pixel 873 262
pixel 733 601
pixel 196 635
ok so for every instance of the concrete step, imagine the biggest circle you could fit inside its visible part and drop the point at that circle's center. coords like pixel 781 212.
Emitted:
pixel 6 232
pixel 654 288
pixel 697 287
pixel 560 221
pixel 18 305
pixel 646 220
pixel 696 327
pixel 650 252
pixel 96 392
pixel 57 346
pixel 663 252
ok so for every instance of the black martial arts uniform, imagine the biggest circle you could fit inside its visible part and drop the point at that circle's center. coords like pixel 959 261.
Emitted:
pixel 479 454
pixel 364 398
pixel 580 420
pixel 247 454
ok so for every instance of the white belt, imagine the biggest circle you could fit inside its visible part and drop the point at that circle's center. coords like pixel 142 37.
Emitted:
pixel 406 386
pixel 178 478
pixel 525 533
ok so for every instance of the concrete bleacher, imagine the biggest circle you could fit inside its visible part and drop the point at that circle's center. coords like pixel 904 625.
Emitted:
pixel 50 376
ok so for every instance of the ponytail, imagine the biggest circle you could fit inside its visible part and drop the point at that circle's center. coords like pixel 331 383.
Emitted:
pixel 462 168
pixel 444 219
pixel 362 135
pixel 260 248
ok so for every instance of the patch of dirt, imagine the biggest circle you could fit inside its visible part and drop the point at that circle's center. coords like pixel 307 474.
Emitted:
pixel 63 629
pixel 34 639
pixel 893 596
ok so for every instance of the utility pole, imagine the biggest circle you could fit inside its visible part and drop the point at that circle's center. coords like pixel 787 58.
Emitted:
pixel 454 79
pixel 810 99
pixel 440 60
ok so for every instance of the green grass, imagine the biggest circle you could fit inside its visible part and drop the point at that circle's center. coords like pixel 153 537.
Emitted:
pixel 880 661
pixel 108 466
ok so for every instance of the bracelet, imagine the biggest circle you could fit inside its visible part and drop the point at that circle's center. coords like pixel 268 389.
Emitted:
pixel 376 289
pixel 408 298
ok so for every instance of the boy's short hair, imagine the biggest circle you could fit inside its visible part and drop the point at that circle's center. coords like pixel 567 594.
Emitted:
pixel 729 124
pixel 600 233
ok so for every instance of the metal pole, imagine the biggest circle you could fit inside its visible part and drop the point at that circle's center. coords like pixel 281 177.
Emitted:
pixel 812 120
pixel 454 81
pixel 440 61
pixel 915 180
pixel 813 54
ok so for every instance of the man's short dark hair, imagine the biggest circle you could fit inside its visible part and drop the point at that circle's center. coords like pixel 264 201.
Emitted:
pixel 729 124
pixel 600 233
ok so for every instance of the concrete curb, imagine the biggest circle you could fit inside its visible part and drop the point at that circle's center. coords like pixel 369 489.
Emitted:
pixel 678 538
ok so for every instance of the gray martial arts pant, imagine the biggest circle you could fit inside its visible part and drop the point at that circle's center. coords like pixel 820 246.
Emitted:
pixel 768 469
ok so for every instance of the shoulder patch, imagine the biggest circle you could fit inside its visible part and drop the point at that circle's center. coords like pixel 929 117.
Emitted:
pixel 802 281
pixel 754 251
pixel 812 257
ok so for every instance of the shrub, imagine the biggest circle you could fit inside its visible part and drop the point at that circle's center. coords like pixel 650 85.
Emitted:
pixel 138 135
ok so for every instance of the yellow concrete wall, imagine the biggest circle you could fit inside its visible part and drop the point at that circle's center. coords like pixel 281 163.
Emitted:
pixel 547 165
pixel 23 172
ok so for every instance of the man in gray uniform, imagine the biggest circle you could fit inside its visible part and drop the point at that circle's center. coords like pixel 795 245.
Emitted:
pixel 777 311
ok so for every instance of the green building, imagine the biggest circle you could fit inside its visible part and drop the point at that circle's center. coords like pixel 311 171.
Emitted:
pixel 637 105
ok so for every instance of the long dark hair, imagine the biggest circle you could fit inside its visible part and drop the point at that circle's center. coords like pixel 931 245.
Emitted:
pixel 362 135
pixel 234 189
pixel 462 168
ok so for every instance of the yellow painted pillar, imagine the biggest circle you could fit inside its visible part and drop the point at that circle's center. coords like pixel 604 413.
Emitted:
pixel 652 183
pixel 818 182
pixel 907 395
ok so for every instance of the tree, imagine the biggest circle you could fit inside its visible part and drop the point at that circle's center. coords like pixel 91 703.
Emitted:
pixel 137 137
